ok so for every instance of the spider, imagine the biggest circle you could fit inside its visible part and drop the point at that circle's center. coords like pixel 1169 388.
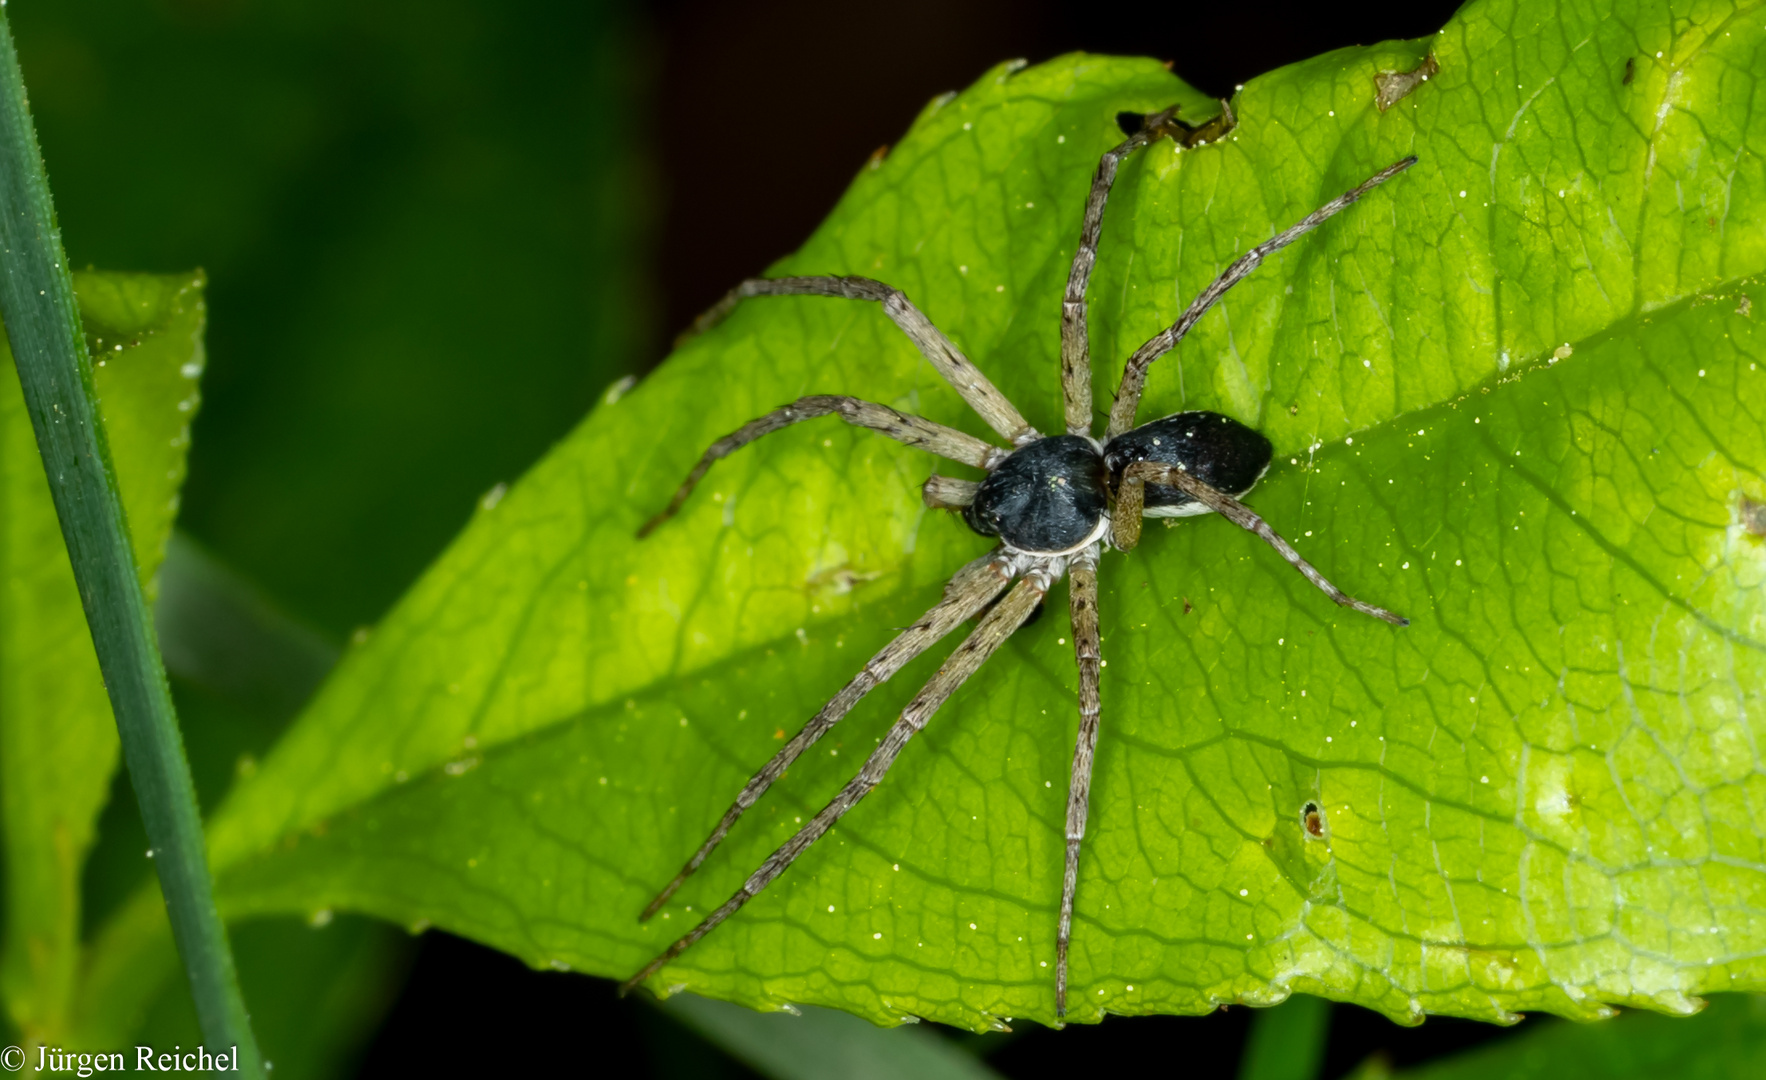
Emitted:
pixel 1054 501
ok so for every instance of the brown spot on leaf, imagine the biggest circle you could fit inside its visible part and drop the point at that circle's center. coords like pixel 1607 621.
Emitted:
pixel 1752 515
pixel 1391 87
pixel 1186 605
pixel 1630 70
pixel 1312 819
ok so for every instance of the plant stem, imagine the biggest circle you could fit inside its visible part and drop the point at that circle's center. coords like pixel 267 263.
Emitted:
pixel 49 347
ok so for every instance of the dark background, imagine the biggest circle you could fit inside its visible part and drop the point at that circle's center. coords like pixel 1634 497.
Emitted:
pixel 435 230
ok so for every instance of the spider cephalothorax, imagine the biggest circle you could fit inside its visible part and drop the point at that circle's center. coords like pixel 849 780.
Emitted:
pixel 1055 502
pixel 1049 498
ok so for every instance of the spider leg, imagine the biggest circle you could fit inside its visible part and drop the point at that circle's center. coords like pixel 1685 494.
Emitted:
pixel 1246 518
pixel 1131 501
pixel 1134 375
pixel 970 590
pixel 1211 130
pixel 956 368
pixel 1083 590
pixel 947 492
pixel 915 431
pixel 993 630
pixel 1075 349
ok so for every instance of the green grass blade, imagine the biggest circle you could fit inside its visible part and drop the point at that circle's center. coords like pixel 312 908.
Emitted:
pixel 37 303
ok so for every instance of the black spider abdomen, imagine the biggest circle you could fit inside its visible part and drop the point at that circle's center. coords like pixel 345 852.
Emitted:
pixel 1047 498
pixel 1217 450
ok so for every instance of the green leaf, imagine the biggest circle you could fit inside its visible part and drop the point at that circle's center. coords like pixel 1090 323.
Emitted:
pixel 1543 794
pixel 58 742
pixel 1727 1040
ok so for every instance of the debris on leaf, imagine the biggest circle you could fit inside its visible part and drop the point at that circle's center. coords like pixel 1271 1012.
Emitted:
pixel 1392 86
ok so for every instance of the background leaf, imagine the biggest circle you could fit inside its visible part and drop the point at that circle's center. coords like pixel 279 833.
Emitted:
pixel 389 197
pixel 1287 1042
pixel 1539 795
pixel 391 200
pixel 820 1043
pixel 317 987
pixel 58 740
pixel 1723 1042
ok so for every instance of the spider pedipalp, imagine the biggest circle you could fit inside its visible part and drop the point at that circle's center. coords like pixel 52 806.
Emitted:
pixel 1054 502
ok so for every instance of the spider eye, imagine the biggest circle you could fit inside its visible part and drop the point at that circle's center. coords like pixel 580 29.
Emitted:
pixel 985 522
